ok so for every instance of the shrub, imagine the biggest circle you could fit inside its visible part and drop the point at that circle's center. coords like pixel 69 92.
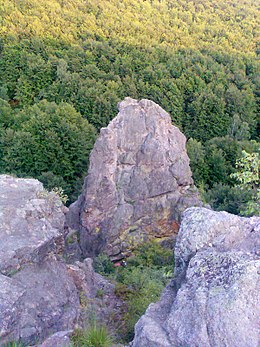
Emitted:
pixel 247 176
pixel 140 282
pixel 224 197
pixel 141 286
pixel 103 265
pixel 152 254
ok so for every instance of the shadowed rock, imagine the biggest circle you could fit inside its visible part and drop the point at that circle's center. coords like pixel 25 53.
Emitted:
pixel 37 295
pixel 41 297
pixel 214 297
pixel 138 183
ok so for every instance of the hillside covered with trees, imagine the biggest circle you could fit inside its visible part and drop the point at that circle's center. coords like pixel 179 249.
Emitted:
pixel 65 64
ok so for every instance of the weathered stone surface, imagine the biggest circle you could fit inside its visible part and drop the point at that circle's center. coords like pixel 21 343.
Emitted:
pixel 37 294
pixel 11 293
pixel 214 297
pixel 97 296
pixel 59 339
pixel 138 183
pixel 39 300
pixel 31 223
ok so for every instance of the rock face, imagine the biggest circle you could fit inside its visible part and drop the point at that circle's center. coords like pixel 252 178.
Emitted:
pixel 42 298
pixel 214 297
pixel 31 222
pixel 59 339
pixel 138 183
pixel 37 295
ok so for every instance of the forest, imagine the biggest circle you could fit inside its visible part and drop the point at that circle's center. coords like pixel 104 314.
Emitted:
pixel 65 64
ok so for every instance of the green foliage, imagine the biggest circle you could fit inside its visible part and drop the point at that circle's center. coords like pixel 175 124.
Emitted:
pixel 238 129
pixel 217 165
pixel 151 254
pixel 50 142
pixel 252 207
pixel 248 178
pixel 217 158
pixel 140 282
pixel 228 198
pixel 248 170
pixel 103 265
pixel 199 167
pixel 143 285
pixel 60 193
pixel 94 336
pixel 176 25
pixel 64 66
pixel 206 108
pixel 6 116
pixel 50 181
pixel 90 57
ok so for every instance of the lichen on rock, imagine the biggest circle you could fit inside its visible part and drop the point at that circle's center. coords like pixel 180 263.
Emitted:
pixel 213 299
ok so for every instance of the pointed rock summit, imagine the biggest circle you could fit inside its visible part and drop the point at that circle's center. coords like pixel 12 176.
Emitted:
pixel 138 183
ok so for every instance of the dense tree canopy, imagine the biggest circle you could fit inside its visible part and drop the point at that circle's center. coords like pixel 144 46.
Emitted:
pixel 65 64
pixel 47 141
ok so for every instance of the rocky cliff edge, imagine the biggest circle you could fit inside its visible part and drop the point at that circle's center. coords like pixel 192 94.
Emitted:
pixel 214 297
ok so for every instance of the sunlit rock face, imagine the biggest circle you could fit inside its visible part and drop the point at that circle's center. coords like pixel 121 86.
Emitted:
pixel 138 183
pixel 213 299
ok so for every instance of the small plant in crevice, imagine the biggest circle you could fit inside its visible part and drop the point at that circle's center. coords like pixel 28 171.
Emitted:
pixel 93 336
pixel 60 193
pixel 100 293
pixel 13 344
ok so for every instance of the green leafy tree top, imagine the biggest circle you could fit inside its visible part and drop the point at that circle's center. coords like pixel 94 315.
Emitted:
pixel 248 170
pixel 248 179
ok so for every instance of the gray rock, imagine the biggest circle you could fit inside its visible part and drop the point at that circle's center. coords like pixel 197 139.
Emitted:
pixel 59 339
pixel 31 223
pixel 36 302
pixel 98 298
pixel 37 294
pixel 11 293
pixel 214 298
pixel 139 181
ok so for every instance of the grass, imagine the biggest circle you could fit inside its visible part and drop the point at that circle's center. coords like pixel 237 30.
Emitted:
pixel 94 336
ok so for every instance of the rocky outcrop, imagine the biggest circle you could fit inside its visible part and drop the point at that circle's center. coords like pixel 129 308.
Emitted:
pixel 138 183
pixel 31 223
pixel 214 297
pixel 37 294
pixel 42 298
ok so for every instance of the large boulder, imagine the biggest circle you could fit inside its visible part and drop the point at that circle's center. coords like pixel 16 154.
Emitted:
pixel 214 297
pixel 38 296
pixel 31 223
pixel 139 181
